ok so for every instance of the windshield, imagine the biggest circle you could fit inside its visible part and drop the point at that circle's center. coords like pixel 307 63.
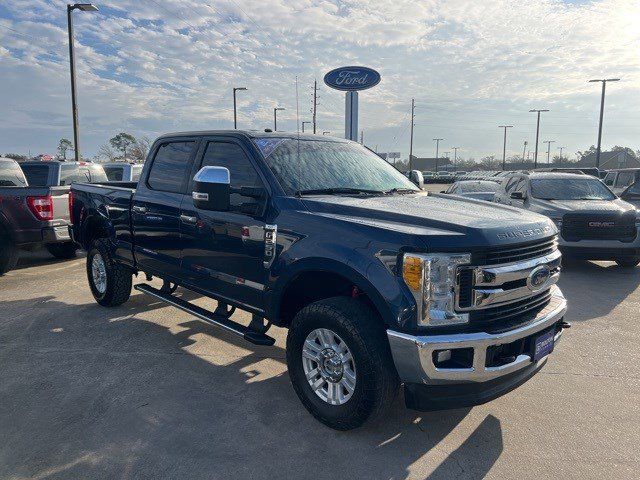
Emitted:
pixel 478 187
pixel 313 165
pixel 570 189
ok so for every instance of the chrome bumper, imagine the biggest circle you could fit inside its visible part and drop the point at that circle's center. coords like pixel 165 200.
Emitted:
pixel 413 355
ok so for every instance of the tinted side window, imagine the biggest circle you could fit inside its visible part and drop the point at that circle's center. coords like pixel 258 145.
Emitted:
pixel 170 165
pixel 73 173
pixel 136 170
pixel 522 186
pixel 114 173
pixel 624 179
pixel 231 156
pixel 608 180
pixel 11 175
pixel 510 184
pixel 96 174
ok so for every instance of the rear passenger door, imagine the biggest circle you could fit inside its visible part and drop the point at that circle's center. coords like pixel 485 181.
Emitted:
pixel 223 251
pixel 155 208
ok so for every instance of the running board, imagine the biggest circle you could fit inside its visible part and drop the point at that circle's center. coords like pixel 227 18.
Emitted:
pixel 249 335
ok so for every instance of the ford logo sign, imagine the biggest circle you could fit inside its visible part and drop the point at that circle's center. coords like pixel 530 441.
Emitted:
pixel 538 278
pixel 352 78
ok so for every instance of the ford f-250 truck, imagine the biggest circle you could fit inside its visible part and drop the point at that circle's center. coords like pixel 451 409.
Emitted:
pixel 379 283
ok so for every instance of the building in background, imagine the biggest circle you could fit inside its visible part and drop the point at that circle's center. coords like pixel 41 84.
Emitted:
pixel 610 160
pixel 429 164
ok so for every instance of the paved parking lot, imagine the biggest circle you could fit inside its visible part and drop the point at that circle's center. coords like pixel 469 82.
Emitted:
pixel 145 391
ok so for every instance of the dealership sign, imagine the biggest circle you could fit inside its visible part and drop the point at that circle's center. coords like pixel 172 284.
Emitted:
pixel 352 78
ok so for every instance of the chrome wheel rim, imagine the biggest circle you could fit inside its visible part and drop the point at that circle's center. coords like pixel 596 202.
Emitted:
pixel 99 273
pixel 329 366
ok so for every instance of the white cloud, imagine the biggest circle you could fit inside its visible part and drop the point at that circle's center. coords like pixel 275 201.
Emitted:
pixel 153 66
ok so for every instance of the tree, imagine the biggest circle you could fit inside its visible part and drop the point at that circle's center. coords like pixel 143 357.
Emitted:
pixel 140 149
pixel 63 146
pixel 105 151
pixel 490 163
pixel 122 142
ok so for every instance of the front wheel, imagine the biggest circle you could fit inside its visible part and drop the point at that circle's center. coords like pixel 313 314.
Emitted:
pixel 628 262
pixel 340 363
pixel 109 281
pixel 62 251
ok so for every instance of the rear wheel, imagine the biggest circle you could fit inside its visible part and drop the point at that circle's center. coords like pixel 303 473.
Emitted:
pixel 62 250
pixel 340 363
pixel 109 281
pixel 628 262
pixel 8 254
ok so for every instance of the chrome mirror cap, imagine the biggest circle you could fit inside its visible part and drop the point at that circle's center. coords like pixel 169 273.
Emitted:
pixel 213 175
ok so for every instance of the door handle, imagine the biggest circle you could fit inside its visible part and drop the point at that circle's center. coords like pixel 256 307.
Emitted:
pixel 188 220
pixel 139 209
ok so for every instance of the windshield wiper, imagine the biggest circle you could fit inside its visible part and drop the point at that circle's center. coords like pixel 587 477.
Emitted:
pixel 401 190
pixel 337 191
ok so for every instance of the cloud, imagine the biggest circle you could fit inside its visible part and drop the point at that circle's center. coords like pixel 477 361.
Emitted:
pixel 154 66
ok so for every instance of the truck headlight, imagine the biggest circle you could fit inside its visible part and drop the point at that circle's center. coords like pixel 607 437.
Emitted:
pixel 431 278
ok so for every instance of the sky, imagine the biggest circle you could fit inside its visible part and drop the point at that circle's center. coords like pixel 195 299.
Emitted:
pixel 148 67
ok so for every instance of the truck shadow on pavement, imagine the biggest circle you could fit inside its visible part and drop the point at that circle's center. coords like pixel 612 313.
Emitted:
pixel 594 289
pixel 91 392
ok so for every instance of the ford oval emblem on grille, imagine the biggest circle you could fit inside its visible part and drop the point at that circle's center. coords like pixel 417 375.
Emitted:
pixel 538 278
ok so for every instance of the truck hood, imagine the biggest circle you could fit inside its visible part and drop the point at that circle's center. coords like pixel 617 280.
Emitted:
pixel 557 208
pixel 456 221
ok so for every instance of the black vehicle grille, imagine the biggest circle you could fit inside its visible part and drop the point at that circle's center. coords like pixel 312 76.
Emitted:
pixel 507 317
pixel 600 227
pixel 465 287
pixel 514 253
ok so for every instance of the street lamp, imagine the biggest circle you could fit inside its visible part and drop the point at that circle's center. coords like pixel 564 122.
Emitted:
pixel 549 142
pixel 235 118
pixel 275 117
pixel 604 84
pixel 455 156
pixel 535 157
pixel 437 140
pixel 309 122
pixel 504 145
pixel 561 148
pixel 85 7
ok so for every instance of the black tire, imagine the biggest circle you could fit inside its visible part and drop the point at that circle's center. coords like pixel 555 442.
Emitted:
pixel 377 382
pixel 8 254
pixel 62 251
pixel 118 277
pixel 628 262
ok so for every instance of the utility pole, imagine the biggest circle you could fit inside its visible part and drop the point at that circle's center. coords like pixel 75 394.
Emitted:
pixel 455 157
pixel 413 117
pixel 275 117
pixel 361 137
pixel 549 142
pixel 524 149
pixel 235 116
pixel 83 7
pixel 535 157
pixel 304 123
pixel 315 104
pixel 604 84
pixel 504 145
pixel 561 148
pixel 437 140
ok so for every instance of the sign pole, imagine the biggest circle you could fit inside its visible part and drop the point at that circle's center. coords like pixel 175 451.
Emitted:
pixel 351 115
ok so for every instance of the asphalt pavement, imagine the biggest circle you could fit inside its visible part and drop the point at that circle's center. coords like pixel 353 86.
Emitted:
pixel 146 391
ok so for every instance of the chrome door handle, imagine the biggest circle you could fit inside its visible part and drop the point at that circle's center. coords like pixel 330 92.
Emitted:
pixel 188 220
pixel 139 209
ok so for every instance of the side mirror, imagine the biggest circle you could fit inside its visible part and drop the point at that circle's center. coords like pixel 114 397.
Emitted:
pixel 212 189
pixel 517 195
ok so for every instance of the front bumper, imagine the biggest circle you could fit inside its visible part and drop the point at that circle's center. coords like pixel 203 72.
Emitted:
pixel 414 355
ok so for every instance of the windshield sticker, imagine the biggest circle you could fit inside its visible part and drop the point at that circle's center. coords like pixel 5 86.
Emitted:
pixel 268 145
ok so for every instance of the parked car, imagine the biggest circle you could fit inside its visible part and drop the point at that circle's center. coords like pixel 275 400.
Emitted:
pixel 416 178
pixel 632 195
pixel 594 172
pixel 594 223
pixel 378 282
pixel 478 189
pixel 619 180
pixel 429 177
pixel 444 177
pixel 31 216
pixel 122 171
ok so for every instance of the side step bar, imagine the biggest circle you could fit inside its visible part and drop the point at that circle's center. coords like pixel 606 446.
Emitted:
pixel 252 336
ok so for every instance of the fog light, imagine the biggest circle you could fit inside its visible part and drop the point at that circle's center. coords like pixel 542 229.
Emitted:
pixel 443 356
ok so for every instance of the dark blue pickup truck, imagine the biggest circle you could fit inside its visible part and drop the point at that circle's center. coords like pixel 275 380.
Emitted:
pixel 379 283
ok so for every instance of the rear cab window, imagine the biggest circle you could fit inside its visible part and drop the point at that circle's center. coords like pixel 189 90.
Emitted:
pixel 37 175
pixel 114 172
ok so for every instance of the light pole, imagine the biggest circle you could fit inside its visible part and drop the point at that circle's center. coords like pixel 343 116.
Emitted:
pixel 524 150
pixel 535 157
pixel 437 140
pixel 604 84
pixel 504 144
pixel 549 142
pixel 84 7
pixel 309 122
pixel 561 148
pixel 275 117
pixel 413 118
pixel 455 157
pixel 235 117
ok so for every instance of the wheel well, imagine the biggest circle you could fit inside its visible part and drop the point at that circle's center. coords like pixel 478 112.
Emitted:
pixel 311 286
pixel 93 228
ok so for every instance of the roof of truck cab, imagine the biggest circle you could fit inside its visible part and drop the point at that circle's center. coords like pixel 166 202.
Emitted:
pixel 557 175
pixel 253 134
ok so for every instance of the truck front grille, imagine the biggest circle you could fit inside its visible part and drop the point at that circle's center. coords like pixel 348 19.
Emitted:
pixel 577 227
pixel 507 317
pixel 514 253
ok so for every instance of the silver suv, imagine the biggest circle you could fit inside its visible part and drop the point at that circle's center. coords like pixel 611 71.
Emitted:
pixel 593 222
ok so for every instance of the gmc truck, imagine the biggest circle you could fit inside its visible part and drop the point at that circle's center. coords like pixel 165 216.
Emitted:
pixel 378 283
